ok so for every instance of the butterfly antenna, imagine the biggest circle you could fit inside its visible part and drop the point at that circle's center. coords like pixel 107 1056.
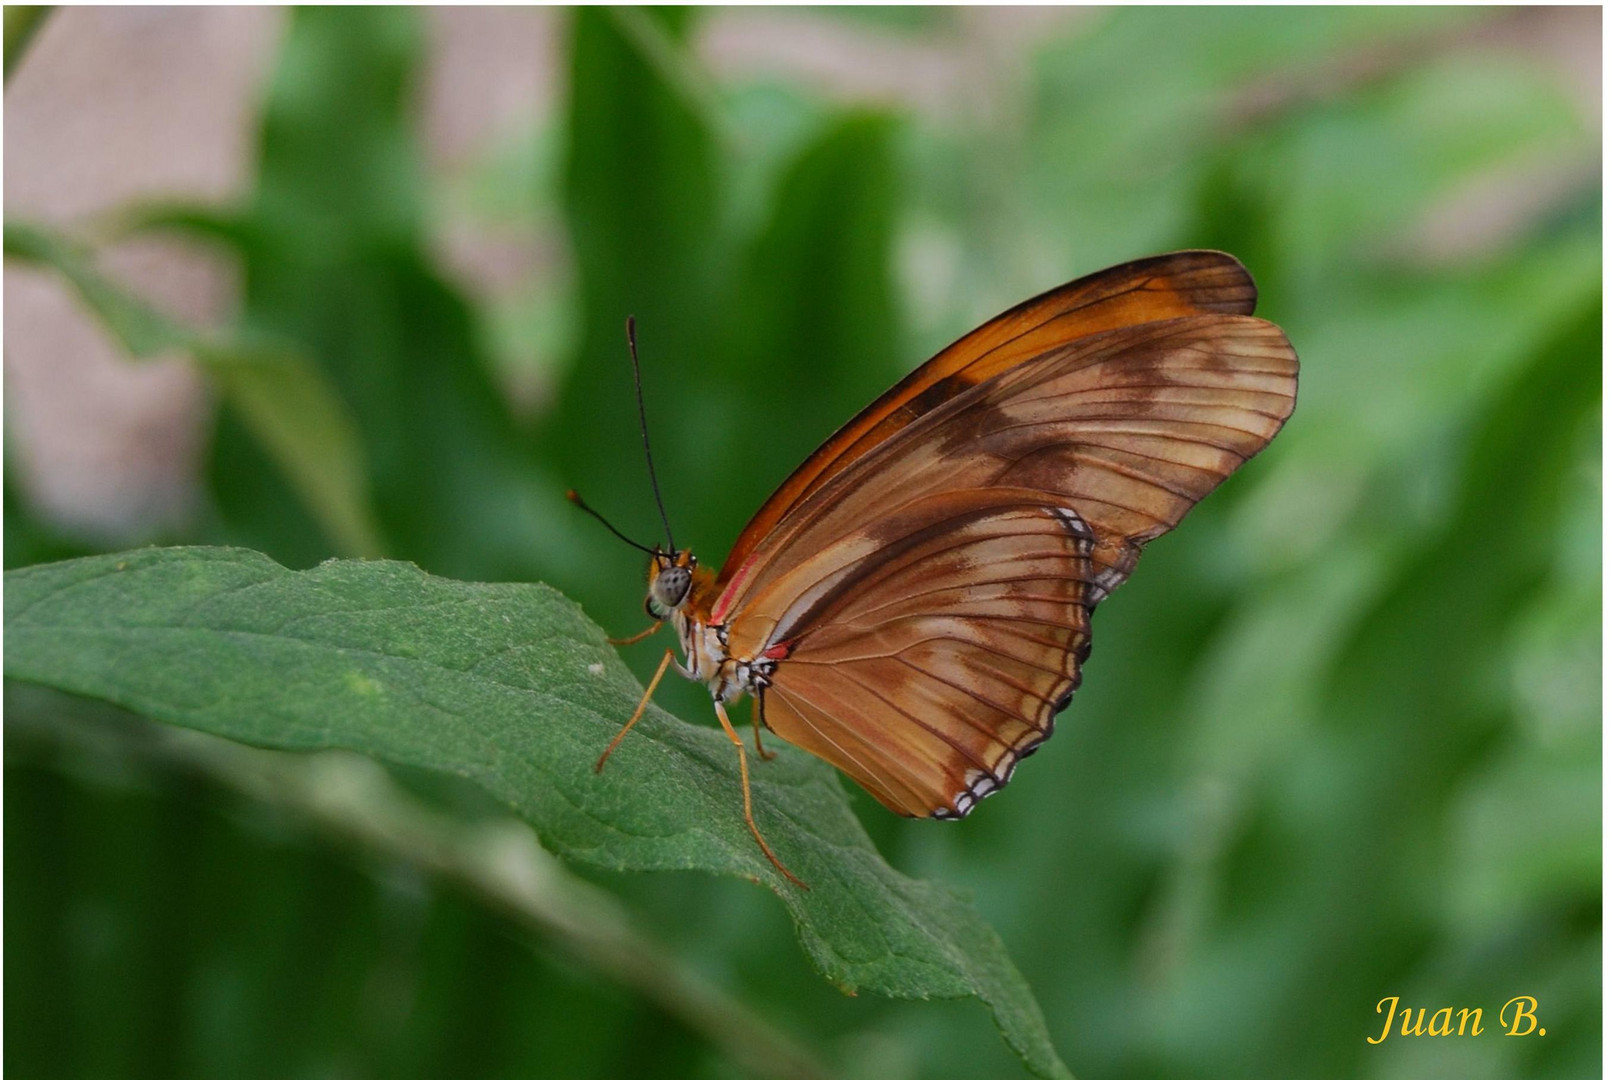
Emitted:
pixel 574 497
pixel 644 429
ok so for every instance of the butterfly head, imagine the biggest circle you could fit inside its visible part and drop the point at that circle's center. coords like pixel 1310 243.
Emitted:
pixel 671 576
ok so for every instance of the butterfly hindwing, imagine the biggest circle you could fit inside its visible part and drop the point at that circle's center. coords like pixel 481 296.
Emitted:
pixel 938 662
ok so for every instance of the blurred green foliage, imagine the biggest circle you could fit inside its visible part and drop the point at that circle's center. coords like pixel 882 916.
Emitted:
pixel 1339 737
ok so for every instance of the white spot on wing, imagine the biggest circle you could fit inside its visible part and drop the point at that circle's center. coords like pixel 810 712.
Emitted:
pixel 1104 583
pixel 1073 522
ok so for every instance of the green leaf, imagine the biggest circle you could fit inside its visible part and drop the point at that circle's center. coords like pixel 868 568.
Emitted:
pixel 513 688
pixel 337 258
pixel 295 415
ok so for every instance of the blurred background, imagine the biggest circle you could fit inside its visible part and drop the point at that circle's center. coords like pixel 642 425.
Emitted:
pixel 1338 739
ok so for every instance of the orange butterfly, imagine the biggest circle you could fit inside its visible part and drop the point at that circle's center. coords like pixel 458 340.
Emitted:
pixel 913 604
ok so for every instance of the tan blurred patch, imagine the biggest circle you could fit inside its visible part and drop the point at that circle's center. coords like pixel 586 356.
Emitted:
pixel 114 106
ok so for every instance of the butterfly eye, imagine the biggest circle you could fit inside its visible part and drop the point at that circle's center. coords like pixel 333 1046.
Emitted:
pixel 670 587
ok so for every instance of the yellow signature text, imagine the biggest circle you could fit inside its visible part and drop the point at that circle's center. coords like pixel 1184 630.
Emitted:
pixel 1516 1017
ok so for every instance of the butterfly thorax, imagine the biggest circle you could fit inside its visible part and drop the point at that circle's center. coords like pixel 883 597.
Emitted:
pixel 706 659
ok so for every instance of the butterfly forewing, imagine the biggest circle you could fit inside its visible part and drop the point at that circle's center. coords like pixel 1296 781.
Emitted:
pixel 928 602
pixel 1146 290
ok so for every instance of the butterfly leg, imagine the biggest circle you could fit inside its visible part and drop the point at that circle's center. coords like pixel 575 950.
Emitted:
pixel 638 712
pixel 756 725
pixel 744 783
pixel 638 637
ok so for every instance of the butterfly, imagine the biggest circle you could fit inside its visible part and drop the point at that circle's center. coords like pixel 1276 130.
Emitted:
pixel 914 604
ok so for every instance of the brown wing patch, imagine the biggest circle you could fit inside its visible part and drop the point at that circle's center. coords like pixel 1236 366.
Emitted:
pixel 1145 290
pixel 930 680
pixel 1137 429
